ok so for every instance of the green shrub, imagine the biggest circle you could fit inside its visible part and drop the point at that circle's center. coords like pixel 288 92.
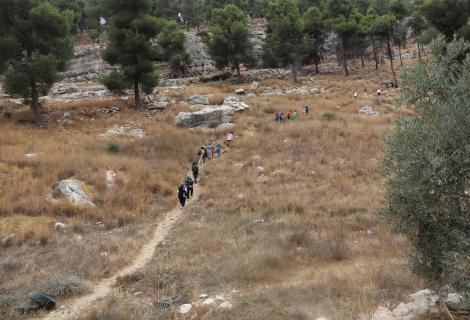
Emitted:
pixel 114 148
pixel 329 116
pixel 428 166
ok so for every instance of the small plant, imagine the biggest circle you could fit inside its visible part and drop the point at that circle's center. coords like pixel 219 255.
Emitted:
pixel 113 148
pixel 329 116
pixel 7 114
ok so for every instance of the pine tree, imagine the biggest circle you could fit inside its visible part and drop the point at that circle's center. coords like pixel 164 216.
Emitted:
pixel 130 32
pixel 228 41
pixel 172 45
pixel 285 38
pixel 368 23
pixel 344 19
pixel 35 45
pixel 385 26
pixel 315 35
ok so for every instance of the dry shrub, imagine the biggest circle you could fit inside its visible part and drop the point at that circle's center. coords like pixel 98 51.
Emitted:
pixel 217 99
pixel 61 286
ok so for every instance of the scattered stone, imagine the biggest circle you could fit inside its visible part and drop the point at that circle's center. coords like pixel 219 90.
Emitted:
pixel 104 254
pixel 225 305
pixel 219 298
pixel 59 226
pixel 66 115
pixel 369 112
pixel 198 99
pixel 254 85
pixel 241 196
pixel 185 308
pixel 157 105
pixel 280 172
pixel 72 190
pixel 111 179
pixel 240 91
pixel 137 293
pixel 235 104
pixel 420 304
pixel 257 158
pixel 268 92
pixel 109 111
pixel 322 318
pixel 453 300
pixel 130 130
pixel 78 237
pixel 259 221
pixel 260 170
pixel 208 301
pixel 203 296
pixel 263 179
pixel 32 156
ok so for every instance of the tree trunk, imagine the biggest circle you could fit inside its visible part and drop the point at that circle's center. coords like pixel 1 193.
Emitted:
pixel 237 66
pixel 138 103
pixel 98 31
pixel 362 61
pixel 389 49
pixel 376 58
pixel 345 61
pixel 294 71
pixel 419 50
pixel 399 54
pixel 35 104
pixel 317 69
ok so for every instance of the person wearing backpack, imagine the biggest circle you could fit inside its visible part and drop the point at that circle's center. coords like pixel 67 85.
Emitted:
pixel 195 170
pixel 182 194
pixel 189 186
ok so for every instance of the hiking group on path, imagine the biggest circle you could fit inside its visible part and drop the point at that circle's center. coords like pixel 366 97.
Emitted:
pixel 205 153
pixel 291 115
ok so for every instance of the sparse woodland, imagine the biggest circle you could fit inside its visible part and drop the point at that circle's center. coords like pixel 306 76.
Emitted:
pixel 350 207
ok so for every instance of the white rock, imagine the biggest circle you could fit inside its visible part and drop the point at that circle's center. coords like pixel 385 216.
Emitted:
pixel 219 298
pixel 208 301
pixel 240 91
pixel 225 305
pixel 198 99
pixel 185 308
pixel 454 299
pixel 129 130
pixel 59 226
pixel 254 85
pixel 72 190
pixel 78 237
pixel 241 196
pixel 32 156
pixel 260 170
pixel 322 318
pixel 235 104
pixel 203 296
pixel 110 178
pixel 263 179
pixel 369 112
pixel 383 313
pixel 104 254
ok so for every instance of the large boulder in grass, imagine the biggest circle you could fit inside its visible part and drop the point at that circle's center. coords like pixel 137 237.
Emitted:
pixel 210 117
pixel 72 189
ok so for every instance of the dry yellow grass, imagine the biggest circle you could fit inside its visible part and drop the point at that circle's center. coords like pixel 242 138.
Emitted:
pixel 308 242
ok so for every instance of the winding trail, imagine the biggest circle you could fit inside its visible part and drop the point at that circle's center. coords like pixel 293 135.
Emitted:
pixel 102 289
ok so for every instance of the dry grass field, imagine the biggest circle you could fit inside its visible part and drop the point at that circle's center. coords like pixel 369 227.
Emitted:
pixel 306 243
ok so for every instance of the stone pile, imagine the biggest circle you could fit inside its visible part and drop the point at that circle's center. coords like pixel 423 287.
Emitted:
pixel 294 90
pixel 129 130
pixel 368 112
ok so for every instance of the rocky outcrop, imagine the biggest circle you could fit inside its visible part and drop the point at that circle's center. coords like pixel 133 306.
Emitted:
pixel 295 90
pixel 129 130
pixel 368 112
pixel 210 117
pixel 198 100
pixel 87 65
pixel 201 63
pixel 235 104
pixel 420 305
pixel 72 189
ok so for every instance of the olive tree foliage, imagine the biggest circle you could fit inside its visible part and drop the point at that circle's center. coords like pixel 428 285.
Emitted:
pixel 35 45
pixel 428 165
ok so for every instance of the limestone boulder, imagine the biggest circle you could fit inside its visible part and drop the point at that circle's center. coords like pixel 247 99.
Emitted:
pixel 72 189
pixel 210 117
pixel 236 104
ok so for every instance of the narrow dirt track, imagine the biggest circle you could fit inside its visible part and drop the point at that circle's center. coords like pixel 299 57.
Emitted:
pixel 76 307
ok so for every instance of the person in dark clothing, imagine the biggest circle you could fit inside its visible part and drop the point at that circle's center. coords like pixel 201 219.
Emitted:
pixel 182 191
pixel 189 186
pixel 195 170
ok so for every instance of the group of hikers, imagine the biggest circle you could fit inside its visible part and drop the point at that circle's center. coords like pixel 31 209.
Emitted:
pixel 291 115
pixel 205 153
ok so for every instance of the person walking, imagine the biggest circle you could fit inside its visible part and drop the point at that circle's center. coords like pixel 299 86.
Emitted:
pixel 189 186
pixel 209 151
pixel 195 170
pixel 182 194
pixel 306 110
pixel 201 156
pixel 218 150
pixel 281 117
pixel 229 138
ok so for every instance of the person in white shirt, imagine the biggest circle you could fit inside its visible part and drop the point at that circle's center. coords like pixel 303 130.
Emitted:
pixel 229 139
